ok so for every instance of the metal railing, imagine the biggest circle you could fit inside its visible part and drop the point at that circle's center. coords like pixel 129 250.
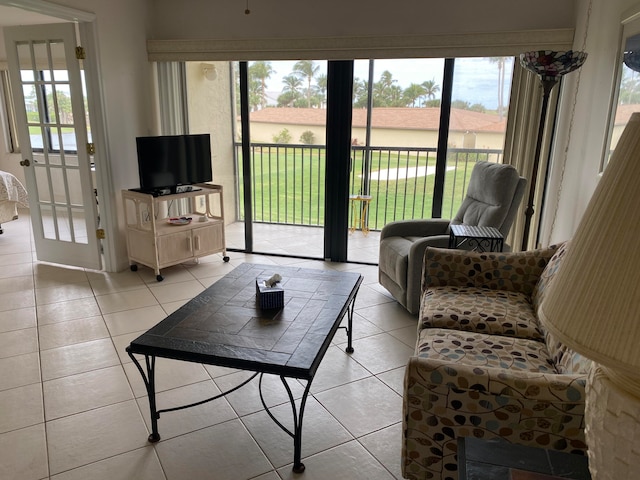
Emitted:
pixel 288 181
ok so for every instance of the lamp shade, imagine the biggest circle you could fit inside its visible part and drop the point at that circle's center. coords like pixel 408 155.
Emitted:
pixel 552 65
pixel 593 303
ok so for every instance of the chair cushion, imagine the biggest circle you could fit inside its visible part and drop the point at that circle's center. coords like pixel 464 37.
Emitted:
pixel 482 310
pixel 481 350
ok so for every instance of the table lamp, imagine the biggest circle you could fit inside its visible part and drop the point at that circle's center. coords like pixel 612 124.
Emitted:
pixel 549 66
pixel 593 306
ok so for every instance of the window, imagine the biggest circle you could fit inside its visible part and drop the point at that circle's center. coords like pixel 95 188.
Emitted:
pixel 53 92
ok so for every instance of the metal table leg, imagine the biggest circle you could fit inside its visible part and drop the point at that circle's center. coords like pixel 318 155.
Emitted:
pixel 150 385
pixel 298 414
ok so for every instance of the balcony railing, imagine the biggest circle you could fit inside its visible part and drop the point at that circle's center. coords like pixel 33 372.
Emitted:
pixel 288 181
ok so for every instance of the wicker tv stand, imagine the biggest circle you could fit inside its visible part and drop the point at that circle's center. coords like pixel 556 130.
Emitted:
pixel 157 240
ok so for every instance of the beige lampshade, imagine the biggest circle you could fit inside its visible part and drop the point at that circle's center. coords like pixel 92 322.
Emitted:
pixel 593 303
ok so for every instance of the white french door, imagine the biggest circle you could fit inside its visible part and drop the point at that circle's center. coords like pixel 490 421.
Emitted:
pixel 46 81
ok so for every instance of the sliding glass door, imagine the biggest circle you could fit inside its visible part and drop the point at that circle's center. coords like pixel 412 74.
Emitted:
pixel 287 131
pixel 419 126
pixel 414 128
pixel 396 107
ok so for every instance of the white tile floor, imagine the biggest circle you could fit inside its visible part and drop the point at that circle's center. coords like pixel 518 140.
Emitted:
pixel 73 406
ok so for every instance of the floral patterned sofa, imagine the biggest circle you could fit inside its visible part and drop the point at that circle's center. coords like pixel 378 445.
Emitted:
pixel 484 367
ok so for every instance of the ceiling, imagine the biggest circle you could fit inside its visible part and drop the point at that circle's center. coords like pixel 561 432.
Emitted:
pixel 12 16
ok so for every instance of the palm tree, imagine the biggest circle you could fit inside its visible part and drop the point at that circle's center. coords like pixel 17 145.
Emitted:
pixel 290 92
pixel 360 93
pixel 501 82
pixel 321 81
pixel 255 95
pixel 431 88
pixel 306 69
pixel 383 90
pixel 262 71
pixel 412 93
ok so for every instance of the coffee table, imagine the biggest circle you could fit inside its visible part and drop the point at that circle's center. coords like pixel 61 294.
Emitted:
pixel 224 326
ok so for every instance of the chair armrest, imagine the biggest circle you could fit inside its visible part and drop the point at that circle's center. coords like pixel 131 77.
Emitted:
pixel 511 271
pixel 415 228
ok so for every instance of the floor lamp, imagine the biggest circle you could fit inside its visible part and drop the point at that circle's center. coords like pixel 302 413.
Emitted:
pixel 549 66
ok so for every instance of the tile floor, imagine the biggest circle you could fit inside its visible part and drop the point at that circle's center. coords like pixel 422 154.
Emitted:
pixel 72 404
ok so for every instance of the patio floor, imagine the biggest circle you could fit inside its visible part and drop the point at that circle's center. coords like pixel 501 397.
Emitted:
pixel 301 241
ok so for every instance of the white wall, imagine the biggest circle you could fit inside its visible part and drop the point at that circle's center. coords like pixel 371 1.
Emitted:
pixel 203 94
pixel 197 19
pixel 580 150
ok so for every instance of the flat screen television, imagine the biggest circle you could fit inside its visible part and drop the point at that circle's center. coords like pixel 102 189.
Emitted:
pixel 166 163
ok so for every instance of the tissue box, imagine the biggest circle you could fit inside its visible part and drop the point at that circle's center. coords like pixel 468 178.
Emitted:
pixel 269 297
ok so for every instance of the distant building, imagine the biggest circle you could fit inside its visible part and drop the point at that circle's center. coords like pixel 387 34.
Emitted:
pixel 391 127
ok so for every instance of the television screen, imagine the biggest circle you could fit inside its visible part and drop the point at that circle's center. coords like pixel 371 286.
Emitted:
pixel 166 162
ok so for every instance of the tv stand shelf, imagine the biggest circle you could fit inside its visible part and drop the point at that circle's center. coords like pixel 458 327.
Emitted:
pixel 156 243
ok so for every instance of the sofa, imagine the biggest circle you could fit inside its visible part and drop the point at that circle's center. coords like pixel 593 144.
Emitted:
pixel 484 366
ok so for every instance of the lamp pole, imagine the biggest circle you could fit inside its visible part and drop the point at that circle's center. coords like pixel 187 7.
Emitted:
pixel 547 86
pixel 550 66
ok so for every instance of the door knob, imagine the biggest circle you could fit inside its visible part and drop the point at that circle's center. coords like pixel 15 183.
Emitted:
pixel 25 162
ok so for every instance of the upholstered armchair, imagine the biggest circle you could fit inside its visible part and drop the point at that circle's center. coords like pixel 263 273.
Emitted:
pixel 493 196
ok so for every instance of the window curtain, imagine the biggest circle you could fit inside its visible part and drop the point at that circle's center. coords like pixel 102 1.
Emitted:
pixel 174 120
pixel 172 95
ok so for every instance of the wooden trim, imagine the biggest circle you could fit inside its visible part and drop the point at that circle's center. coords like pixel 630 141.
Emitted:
pixel 345 48
pixel 51 9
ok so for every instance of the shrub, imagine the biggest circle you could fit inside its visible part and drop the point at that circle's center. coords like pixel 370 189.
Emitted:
pixel 307 137
pixel 283 137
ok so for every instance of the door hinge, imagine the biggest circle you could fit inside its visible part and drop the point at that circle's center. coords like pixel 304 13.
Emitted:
pixel 91 148
pixel 100 234
pixel 80 53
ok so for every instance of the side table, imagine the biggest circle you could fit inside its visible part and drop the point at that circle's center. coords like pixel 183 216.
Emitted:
pixel 480 239
pixel 497 459
pixel 362 202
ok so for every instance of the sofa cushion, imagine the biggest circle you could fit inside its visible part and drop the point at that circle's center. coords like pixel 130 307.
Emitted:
pixel 482 350
pixel 482 310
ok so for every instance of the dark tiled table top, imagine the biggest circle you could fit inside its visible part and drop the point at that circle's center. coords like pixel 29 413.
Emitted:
pixel 224 325
pixel 497 459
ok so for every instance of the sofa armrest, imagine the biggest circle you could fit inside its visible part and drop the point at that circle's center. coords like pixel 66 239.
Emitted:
pixel 444 401
pixel 511 271
pixel 531 387
pixel 415 228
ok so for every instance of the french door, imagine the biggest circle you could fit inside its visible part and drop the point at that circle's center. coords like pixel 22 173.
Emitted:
pixel 46 81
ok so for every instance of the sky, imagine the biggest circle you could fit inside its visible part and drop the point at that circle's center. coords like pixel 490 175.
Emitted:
pixel 475 79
